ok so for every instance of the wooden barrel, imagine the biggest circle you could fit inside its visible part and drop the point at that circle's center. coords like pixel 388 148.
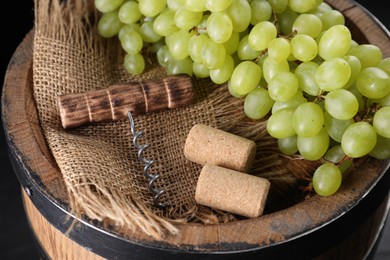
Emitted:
pixel 344 226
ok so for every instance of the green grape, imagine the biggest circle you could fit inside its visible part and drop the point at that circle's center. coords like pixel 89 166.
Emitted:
pixel 132 42
pixel 245 77
pixel 134 63
pixel 286 20
pixel 308 119
pixel 200 71
pixel 381 122
pixel 261 35
pixel 279 49
pixel 279 124
pixel 223 73
pixel 334 154
pixel 128 28
pixel 219 27
pixel 283 86
pixel 245 51
pixel 327 179
pixel 336 127
pixel 148 34
pixel 304 47
pixel 195 45
pixel 213 54
pixel 261 10
pixel 332 18
pixel 306 75
pixel 293 102
pixel 240 14
pixel 288 145
pixel 359 139
pixel 385 101
pixel 302 6
pixel 129 12
pixel 356 67
pixel 308 24
pixel 333 74
pixel 341 104
pixel 195 5
pixel 272 68
pixel 232 44
pixel 381 150
pixel 106 6
pixel 176 67
pixel 313 148
pixel 257 103
pixel 175 4
pixel 217 5
pixel 384 65
pixel 374 83
pixel 335 42
pixel 177 43
pixel 151 7
pixel 321 9
pixel 163 56
pixel 186 19
pixel 361 100
pixel 164 24
pixel 278 6
pixel 368 54
pixel 109 24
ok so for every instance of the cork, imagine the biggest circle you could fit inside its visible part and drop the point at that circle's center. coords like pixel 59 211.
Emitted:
pixel 208 145
pixel 232 191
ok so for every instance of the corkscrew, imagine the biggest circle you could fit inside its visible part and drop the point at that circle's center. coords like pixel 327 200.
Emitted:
pixel 157 193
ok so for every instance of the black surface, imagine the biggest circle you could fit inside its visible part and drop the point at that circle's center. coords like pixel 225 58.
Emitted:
pixel 16 240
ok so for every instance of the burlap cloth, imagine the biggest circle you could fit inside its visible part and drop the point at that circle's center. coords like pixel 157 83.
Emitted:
pixel 99 165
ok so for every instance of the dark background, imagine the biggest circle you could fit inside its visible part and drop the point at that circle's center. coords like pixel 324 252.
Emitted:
pixel 16 240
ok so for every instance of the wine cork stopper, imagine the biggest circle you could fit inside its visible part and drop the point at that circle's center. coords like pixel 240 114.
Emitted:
pixel 232 191
pixel 208 145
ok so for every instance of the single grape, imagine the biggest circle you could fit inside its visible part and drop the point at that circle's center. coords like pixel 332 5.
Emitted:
pixel 240 14
pixel 164 23
pixel 308 119
pixel 223 73
pixel 177 43
pixel 327 179
pixel 106 6
pixel 336 127
pixel 332 18
pixel 283 86
pixel 308 24
pixel 384 65
pixel 381 122
pixel 219 27
pixel 164 56
pixel 302 6
pixel 245 51
pixel 286 20
pixel 261 35
pixel 304 47
pixel 381 150
pixel 195 5
pixel 245 77
pixel 175 4
pixel 278 6
pixel 217 5
pixel 176 67
pixel 129 12
pixel 195 45
pixel 109 24
pixel 335 42
pixel 272 68
pixel 279 124
pixel 279 49
pixel 333 74
pixel 257 103
pixel 306 75
pixel 288 145
pixel 369 55
pixel 200 71
pixel 186 19
pixel 341 104
pixel 213 54
pixel 151 7
pixel 261 10
pixel 293 102
pixel 334 154
pixel 374 83
pixel 313 148
pixel 356 67
pixel 231 45
pixel 132 42
pixel 359 139
pixel 134 63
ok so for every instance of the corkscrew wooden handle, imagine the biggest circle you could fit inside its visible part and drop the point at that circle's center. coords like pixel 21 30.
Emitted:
pixel 114 102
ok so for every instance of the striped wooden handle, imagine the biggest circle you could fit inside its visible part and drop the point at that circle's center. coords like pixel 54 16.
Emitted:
pixel 114 102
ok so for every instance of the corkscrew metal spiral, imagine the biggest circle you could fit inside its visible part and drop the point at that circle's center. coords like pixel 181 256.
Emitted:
pixel 157 193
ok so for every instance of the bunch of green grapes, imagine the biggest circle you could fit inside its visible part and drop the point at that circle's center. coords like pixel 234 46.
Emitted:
pixel 294 62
